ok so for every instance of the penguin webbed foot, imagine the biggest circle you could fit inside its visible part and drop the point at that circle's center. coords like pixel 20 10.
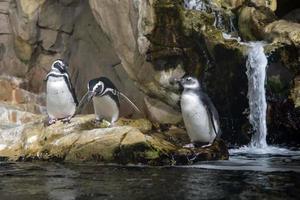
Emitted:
pixel 50 121
pixel 202 144
pixel 97 122
pixel 207 145
pixel 198 145
pixel 191 145
pixel 67 120
pixel 102 123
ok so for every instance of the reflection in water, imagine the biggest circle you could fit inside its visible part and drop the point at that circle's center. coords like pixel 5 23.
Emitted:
pixel 242 177
pixel 60 183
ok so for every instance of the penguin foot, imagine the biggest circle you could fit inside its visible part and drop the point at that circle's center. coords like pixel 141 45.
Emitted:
pixel 102 123
pixel 51 121
pixel 96 122
pixel 191 145
pixel 197 145
pixel 207 145
pixel 67 120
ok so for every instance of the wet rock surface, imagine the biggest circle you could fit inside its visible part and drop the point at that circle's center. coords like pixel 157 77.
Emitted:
pixel 127 142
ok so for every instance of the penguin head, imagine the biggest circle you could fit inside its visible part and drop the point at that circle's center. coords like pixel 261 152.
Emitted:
pixel 189 82
pixel 96 86
pixel 59 65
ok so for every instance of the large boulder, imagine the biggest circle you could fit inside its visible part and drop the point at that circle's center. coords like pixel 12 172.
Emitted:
pixel 15 115
pixel 12 91
pixel 135 21
pixel 252 22
pixel 272 4
pixel 129 141
pixel 17 105
pixel 233 4
pixel 283 31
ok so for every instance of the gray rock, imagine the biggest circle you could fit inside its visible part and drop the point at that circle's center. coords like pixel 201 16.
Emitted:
pixel 4 24
pixel 54 16
pixel 48 38
pixel 162 113
pixel 9 58
pixel 79 141
pixel 4 5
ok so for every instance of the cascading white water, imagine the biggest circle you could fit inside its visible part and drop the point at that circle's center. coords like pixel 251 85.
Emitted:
pixel 256 72
pixel 196 5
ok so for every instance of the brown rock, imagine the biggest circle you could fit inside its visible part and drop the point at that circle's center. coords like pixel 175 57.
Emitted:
pixel 23 49
pixel 29 7
pixel 252 22
pixel 233 3
pixel 296 92
pixel 80 141
pixel 283 31
pixel 4 24
pixel 48 38
pixel 23 19
pixel 162 113
pixel 272 4
pixel 4 5
pixel 11 92
pixel 18 114
pixel 9 63
pixel 56 17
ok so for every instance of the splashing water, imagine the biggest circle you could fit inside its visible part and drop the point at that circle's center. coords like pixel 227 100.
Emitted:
pixel 221 20
pixel 196 5
pixel 256 72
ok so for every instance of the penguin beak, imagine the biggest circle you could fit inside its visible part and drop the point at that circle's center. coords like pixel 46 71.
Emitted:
pixel 175 81
pixel 85 100
pixel 90 95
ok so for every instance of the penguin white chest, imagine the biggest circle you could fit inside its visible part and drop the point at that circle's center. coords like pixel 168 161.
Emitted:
pixel 60 102
pixel 106 108
pixel 196 118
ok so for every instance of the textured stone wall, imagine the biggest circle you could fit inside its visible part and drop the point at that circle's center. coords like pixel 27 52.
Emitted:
pixel 33 33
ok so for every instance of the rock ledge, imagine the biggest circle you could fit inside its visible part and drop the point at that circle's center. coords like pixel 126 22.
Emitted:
pixel 128 142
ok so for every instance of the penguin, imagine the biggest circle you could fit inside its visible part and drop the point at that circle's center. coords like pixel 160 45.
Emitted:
pixel 61 100
pixel 200 116
pixel 105 98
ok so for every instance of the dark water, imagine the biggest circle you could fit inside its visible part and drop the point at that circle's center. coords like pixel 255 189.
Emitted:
pixel 244 176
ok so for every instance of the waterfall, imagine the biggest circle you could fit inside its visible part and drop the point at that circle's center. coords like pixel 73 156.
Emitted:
pixel 256 73
pixel 196 5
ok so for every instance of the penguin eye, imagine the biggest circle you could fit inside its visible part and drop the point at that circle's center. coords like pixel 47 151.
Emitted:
pixel 99 88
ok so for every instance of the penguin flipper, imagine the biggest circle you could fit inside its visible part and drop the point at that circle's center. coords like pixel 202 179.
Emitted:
pixel 71 88
pixel 213 114
pixel 130 102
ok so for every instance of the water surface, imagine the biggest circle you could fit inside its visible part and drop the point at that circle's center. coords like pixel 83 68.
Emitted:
pixel 244 176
